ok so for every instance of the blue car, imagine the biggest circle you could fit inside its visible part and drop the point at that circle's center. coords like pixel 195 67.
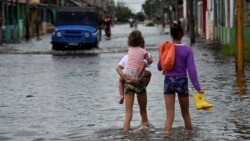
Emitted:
pixel 76 27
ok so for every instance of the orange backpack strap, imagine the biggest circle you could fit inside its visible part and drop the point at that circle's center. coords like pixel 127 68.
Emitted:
pixel 167 56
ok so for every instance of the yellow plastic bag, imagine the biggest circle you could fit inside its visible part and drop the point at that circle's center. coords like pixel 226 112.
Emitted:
pixel 201 102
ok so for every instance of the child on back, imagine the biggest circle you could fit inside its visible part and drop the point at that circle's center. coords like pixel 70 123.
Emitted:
pixel 136 55
pixel 146 74
pixel 176 80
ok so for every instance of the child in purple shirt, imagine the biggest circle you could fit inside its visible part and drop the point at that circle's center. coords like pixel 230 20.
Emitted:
pixel 176 80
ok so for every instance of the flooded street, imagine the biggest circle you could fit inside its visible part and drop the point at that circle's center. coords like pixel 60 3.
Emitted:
pixel 48 96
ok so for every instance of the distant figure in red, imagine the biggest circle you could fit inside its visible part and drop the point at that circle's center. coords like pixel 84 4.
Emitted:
pixel 107 20
pixel 107 26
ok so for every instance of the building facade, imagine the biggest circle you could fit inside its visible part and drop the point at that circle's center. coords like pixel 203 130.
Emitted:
pixel 214 19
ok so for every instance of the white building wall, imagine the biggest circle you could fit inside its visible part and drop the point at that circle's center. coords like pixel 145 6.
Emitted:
pixel 185 10
pixel 200 17
pixel 232 13
pixel 185 16
pixel 210 20
pixel 226 13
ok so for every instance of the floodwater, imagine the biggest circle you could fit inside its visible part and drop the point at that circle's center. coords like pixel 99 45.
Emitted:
pixel 46 97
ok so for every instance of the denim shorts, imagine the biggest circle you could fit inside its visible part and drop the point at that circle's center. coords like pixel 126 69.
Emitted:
pixel 177 85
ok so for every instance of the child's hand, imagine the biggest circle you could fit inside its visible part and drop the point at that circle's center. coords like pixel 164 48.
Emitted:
pixel 131 80
pixel 200 91
pixel 150 59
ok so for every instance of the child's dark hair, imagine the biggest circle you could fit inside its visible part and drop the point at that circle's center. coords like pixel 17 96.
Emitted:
pixel 135 38
pixel 176 30
pixel 142 44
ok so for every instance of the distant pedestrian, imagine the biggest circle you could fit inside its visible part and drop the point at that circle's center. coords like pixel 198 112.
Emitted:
pixel 37 26
pixel 136 56
pixel 176 80
pixel 135 21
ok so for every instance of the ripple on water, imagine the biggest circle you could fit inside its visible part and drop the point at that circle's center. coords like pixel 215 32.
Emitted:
pixel 178 134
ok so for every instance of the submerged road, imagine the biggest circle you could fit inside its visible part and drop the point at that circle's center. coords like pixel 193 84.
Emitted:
pixel 73 96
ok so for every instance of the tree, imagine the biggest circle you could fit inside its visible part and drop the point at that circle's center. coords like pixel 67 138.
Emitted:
pixel 123 13
pixel 147 7
pixel 140 16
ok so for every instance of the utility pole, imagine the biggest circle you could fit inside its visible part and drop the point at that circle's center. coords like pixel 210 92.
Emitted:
pixel 162 13
pixel 27 21
pixel 191 20
pixel 239 37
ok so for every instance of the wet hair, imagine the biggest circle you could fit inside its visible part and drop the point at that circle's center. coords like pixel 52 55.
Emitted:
pixel 176 30
pixel 135 38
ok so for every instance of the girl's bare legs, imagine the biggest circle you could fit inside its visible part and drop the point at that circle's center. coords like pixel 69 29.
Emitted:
pixel 170 106
pixel 121 90
pixel 142 101
pixel 184 104
pixel 129 102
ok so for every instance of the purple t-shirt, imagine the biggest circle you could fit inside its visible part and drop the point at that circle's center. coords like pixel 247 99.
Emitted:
pixel 184 63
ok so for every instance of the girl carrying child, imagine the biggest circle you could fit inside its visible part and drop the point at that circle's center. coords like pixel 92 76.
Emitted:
pixel 132 74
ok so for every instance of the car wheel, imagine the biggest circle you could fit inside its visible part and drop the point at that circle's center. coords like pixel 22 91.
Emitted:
pixel 57 47
pixel 54 47
pixel 96 45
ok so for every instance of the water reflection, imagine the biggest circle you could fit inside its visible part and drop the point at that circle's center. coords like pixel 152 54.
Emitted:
pixel 241 83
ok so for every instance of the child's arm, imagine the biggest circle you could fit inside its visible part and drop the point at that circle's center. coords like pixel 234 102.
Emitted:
pixel 119 71
pixel 159 65
pixel 148 60
pixel 141 70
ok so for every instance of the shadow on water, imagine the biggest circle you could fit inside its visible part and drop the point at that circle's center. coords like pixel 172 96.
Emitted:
pixel 241 83
pixel 240 109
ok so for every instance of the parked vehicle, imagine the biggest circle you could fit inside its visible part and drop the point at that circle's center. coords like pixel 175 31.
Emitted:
pixel 76 27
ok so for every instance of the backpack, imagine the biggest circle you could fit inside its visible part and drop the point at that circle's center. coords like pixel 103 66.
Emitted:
pixel 167 56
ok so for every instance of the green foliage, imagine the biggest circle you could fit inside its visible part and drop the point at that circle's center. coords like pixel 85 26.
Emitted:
pixel 230 51
pixel 123 13
pixel 146 7
pixel 140 16
pixel 247 52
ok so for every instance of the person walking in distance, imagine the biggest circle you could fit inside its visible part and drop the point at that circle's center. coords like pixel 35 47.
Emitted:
pixel 176 80
pixel 37 26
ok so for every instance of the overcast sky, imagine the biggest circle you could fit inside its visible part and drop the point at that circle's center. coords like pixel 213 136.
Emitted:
pixel 134 5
